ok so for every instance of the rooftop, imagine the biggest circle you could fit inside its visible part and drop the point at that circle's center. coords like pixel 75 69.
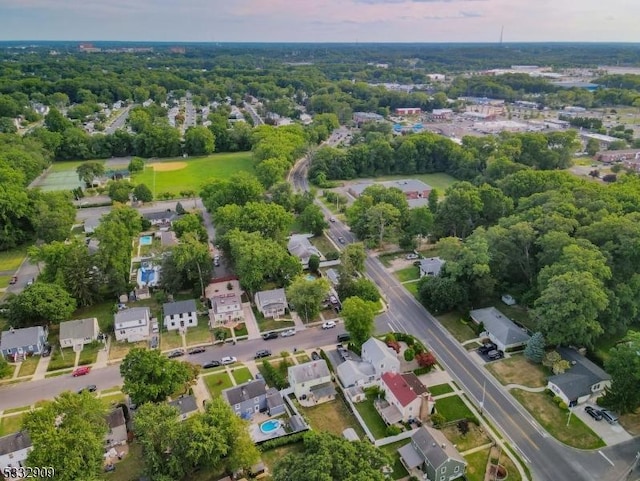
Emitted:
pixel 186 404
pixel 244 392
pixel 124 318
pixel 583 374
pixel 26 336
pixel 79 328
pixel 179 307
pixel 500 326
pixel 116 418
pixel 431 266
pixel 403 391
pixel 309 371
pixel 14 442
pixel 272 296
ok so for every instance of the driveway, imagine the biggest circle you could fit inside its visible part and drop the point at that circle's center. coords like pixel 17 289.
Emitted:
pixel 610 433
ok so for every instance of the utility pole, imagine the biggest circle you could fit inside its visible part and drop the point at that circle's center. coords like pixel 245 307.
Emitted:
pixel 569 417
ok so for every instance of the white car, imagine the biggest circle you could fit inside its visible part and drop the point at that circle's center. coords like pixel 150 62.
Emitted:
pixel 288 333
pixel 328 324
pixel 228 360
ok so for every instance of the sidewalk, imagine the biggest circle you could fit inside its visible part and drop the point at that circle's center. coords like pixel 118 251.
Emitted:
pixel 41 370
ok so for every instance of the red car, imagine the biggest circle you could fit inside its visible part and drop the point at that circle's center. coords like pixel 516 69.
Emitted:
pixel 81 371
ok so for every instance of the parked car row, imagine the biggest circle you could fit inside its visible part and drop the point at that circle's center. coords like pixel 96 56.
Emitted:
pixel 222 362
pixel 599 414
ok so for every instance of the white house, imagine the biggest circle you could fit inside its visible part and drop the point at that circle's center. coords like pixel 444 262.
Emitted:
pixel 380 356
pixel 79 332
pixel 180 314
pixel 311 382
pixel 132 325
pixel 404 396
pixel 499 328
pixel 431 266
pixel 14 449
pixel 225 303
pixel 271 303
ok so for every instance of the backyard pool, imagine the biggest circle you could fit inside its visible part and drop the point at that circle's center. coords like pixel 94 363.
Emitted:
pixel 310 277
pixel 270 426
pixel 148 276
pixel 146 240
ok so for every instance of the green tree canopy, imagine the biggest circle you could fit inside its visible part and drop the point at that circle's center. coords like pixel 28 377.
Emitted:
pixel 39 303
pixel 307 296
pixel 358 316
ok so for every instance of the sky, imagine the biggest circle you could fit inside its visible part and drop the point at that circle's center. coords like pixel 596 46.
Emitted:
pixel 321 20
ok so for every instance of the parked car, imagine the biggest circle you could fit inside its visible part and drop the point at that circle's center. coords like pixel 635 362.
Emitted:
pixel 13 280
pixel 315 356
pixel 196 350
pixel 288 333
pixel 90 388
pixel 154 342
pixel 341 240
pixel 211 364
pixel 228 360
pixel 608 416
pixel 593 412
pixel 332 219
pixel 487 347
pixel 176 353
pixel 344 337
pixel 46 350
pixel 81 371
pixel 262 353
pixel 412 256
pixel 30 282
pixel 270 335
pixel 495 354
pixel 328 324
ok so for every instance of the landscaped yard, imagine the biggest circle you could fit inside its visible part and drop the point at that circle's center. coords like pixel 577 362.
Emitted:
pixel 10 260
pixel 176 175
pixel 266 325
pixel 439 389
pixel 453 408
pixel 333 416
pixel 408 274
pixel 199 334
pixel 302 358
pixel 518 370
pixel 28 366
pixel 323 244
pixel 170 340
pixel 554 420
pixel 474 438
pixel 10 424
pixel 477 465
pixel 272 456
pixel 89 354
pixel 399 471
pixel 217 382
pixel 61 359
pixel 371 418
pixel 240 330
pixel 11 371
pixel 412 287
pixel 4 281
pixel 453 322
pixel 103 312
pixel 241 374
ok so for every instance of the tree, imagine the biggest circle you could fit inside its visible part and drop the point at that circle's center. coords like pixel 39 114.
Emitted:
pixel 360 287
pixel 41 303
pixel 271 171
pixel 623 364
pixel 54 216
pixel 270 220
pixel 460 211
pixel 136 165
pixel 425 359
pixel 312 220
pixel 119 190
pixel 89 171
pixel 142 193
pixel 68 433
pixel 54 121
pixel 433 200
pixel 180 209
pixel 199 141
pixel 193 260
pixel 593 146
pixel 151 377
pixel 307 296
pixel 352 258
pixel 554 361
pixel 358 316
pixel 327 457
pixel 314 263
pixel 193 223
pixel 239 189
pixel 5 368
pixel 535 348
pixel 441 294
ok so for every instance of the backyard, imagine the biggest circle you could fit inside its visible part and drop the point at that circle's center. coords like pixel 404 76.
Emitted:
pixel 518 370
pixel 131 466
pixel 371 418
pixel 391 450
pixel 477 465
pixel 333 417
pixel 476 437
pixel 453 322
pixel 554 420
pixel 217 382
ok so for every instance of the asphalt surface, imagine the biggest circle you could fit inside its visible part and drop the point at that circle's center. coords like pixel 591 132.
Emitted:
pixel 257 120
pixel 548 459
pixel 119 121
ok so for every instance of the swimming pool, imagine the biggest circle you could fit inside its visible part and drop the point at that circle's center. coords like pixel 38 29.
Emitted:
pixel 148 276
pixel 310 277
pixel 270 426
pixel 146 240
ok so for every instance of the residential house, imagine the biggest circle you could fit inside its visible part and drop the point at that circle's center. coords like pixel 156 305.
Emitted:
pixel 502 331
pixel 441 114
pixel 581 381
pixel 14 449
pixel 431 266
pixel 162 217
pixel 133 324
pixel 16 344
pixel 404 397
pixel 225 303
pixel 432 457
pixel 271 303
pixel 91 224
pixel 380 356
pixel 186 404
pixel 311 382
pixel 610 156
pixel 299 246
pixel 408 111
pixel 275 402
pixel 248 398
pixel 117 425
pixel 354 373
pixel 79 332
pixel 180 314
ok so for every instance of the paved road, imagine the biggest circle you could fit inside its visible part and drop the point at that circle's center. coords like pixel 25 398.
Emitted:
pixel 549 459
pixel 257 120
pixel 27 393
pixel 119 121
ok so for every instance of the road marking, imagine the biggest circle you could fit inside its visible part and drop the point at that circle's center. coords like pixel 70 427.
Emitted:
pixel 605 457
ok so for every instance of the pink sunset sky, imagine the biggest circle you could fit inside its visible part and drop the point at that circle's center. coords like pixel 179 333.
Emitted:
pixel 321 20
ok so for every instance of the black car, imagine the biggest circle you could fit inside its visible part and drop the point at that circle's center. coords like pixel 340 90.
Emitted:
pixel 593 412
pixel 262 353
pixel 46 350
pixel 176 353
pixel 90 388
pixel 315 356
pixel 270 335
pixel 487 347
pixel 211 364
pixel 495 354
pixel 196 350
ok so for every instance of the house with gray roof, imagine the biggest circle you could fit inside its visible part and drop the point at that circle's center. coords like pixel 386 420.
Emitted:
pixel 117 425
pixel 91 224
pixel 271 303
pixel 160 217
pixel 380 356
pixel 79 332
pixel 311 382
pixel 333 275
pixel 581 381
pixel 431 456
pixel 14 449
pixel 354 373
pixel 275 402
pixel 248 398
pixel 180 314
pixel 299 246
pixel 431 266
pixel 502 331
pixel 16 344
pixel 133 324
pixel 186 404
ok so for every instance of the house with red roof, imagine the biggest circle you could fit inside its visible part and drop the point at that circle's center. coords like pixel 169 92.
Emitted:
pixel 405 398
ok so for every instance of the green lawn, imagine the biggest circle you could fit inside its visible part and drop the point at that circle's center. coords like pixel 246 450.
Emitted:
pixel 554 420
pixel 412 287
pixel 323 244
pixel 333 417
pixel 16 410
pixel 10 260
pixel 399 471
pixel 240 330
pixel 302 358
pixel 453 408
pixel 372 419
pixel 439 181
pixel 272 456
pixel 477 465
pixel 4 281
pixel 408 274
pixel 440 389
pixel 63 372
pixel 452 321
pixel 170 340
pixel 266 325
pixel 241 374
pixel 10 372
pixel 199 171
pixel 71 165
pixel 217 382
pixel 89 354
pixel 10 424
pixel 199 334
pixel 113 399
pixel 474 438
pixel 103 312
pixel 61 359
pixel 28 366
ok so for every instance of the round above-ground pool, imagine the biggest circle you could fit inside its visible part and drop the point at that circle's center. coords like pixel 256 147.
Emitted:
pixel 270 426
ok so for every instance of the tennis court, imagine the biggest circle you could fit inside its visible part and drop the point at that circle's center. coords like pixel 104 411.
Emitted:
pixel 61 180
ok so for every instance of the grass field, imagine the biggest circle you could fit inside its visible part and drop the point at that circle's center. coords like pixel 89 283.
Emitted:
pixel 10 424
pixel 452 321
pixel 170 340
pixel 333 417
pixel 437 181
pixel 4 281
pixel 28 366
pixel 399 471
pixel 440 389
pixel 477 465
pixel 475 438
pixel 241 375
pixel 10 260
pixel 371 417
pixel 61 359
pixel 411 273
pixel 453 408
pixel 197 172
pixel 199 334
pixel 518 370
pixel 217 382
pixel 89 354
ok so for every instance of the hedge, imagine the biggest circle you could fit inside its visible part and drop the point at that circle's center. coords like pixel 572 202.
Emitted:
pixel 282 441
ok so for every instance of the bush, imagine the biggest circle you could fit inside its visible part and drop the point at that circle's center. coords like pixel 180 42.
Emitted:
pixel 438 419
pixel 409 354
pixel 421 370
pixel 395 345
pixel 281 441
pixel 136 165
pixel 563 405
pixel 389 338
pixel 393 430
pixel 332 255
pixel 426 359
